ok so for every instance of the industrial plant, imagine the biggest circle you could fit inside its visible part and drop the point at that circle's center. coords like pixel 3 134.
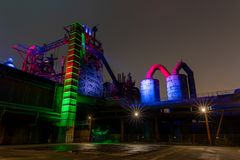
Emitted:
pixel 65 99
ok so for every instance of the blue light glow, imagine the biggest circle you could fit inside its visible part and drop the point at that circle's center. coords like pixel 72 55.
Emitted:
pixel 87 30
pixel 150 91
pixel 177 88
pixel 9 62
pixel 90 82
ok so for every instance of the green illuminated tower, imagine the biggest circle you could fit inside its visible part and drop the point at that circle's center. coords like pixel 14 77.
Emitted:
pixel 76 51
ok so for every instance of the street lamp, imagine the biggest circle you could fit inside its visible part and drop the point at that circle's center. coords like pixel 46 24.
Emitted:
pixel 89 117
pixel 136 113
pixel 90 126
pixel 204 110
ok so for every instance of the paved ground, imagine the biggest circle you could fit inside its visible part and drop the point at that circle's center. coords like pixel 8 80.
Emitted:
pixel 85 151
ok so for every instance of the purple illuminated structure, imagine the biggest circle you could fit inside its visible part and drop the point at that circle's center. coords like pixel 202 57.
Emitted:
pixel 150 92
pixel 179 86
pixel 190 77
pixel 35 62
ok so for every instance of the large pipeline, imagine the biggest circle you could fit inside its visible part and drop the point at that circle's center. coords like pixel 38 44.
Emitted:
pixel 159 67
pixel 179 86
pixel 191 81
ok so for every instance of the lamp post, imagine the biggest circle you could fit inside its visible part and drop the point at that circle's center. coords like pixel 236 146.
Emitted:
pixel 219 125
pixel 90 127
pixel 204 110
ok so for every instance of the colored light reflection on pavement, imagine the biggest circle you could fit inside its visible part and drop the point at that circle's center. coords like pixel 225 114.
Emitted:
pixel 87 151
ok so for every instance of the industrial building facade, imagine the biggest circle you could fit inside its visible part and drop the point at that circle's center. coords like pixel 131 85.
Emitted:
pixel 31 107
pixel 38 105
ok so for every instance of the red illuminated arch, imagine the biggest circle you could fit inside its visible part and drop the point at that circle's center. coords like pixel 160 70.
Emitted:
pixel 159 67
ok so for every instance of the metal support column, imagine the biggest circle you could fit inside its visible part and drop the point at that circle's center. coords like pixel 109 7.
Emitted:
pixel 90 121
pixel 208 129
pixel 122 130
pixel 219 125
pixel 156 129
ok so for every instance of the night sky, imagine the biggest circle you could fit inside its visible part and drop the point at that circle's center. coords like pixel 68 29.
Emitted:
pixel 137 34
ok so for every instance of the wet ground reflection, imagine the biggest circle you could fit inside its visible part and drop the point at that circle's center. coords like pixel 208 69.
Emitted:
pixel 91 151
pixel 103 148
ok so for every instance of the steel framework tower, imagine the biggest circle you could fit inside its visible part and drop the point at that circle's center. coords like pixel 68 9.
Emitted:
pixel 76 51
pixel 83 49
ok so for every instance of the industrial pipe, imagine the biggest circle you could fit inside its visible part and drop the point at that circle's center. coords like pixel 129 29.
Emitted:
pixel 155 67
pixel 191 81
